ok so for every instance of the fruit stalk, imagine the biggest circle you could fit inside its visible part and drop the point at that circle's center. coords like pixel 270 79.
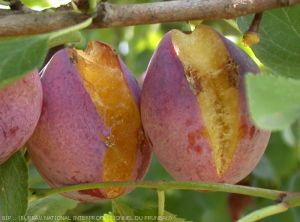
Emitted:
pixel 286 199
pixel 170 185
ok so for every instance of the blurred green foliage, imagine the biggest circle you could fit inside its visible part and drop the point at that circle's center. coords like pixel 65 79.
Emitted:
pixel 13 186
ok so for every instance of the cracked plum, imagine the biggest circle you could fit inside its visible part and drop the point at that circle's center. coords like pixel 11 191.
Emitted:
pixel 194 108
pixel 90 128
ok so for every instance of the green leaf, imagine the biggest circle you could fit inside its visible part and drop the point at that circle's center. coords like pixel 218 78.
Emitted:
pixel 278 152
pixel 55 205
pixel 264 169
pixel 21 55
pixel 150 214
pixel 294 183
pixel 13 187
pixel 279 48
pixel 126 213
pixel 293 186
pixel 270 169
pixel 91 209
pixel 295 130
pixel 123 210
pixel 173 218
pixel 273 100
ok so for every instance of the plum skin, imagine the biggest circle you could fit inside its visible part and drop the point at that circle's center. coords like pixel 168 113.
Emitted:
pixel 67 146
pixel 173 119
pixel 20 108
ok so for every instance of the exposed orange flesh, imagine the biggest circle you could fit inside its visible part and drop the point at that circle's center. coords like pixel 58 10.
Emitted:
pixel 99 67
pixel 213 77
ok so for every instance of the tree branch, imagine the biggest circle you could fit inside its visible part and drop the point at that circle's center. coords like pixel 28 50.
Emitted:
pixel 116 15
pixel 265 212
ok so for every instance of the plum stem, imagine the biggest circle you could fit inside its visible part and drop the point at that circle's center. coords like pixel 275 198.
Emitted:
pixel 251 37
pixel 285 200
pixel 254 27
pixel 161 202
pixel 92 6
pixel 169 185
pixel 265 212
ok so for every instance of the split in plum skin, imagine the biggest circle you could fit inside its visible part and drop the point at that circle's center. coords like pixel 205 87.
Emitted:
pixel 214 82
pixel 90 129
pixel 194 109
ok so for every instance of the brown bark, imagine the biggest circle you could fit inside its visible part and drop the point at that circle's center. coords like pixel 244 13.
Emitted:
pixel 116 15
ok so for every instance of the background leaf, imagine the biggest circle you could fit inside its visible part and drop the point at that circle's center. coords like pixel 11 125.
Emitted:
pixel 55 205
pixel 121 209
pixel 21 55
pixel 295 133
pixel 13 187
pixel 273 100
pixel 265 170
pixel 278 152
pixel 279 48
pixel 146 215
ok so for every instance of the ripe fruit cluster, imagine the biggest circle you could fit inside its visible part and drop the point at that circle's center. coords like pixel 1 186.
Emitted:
pixel 90 124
